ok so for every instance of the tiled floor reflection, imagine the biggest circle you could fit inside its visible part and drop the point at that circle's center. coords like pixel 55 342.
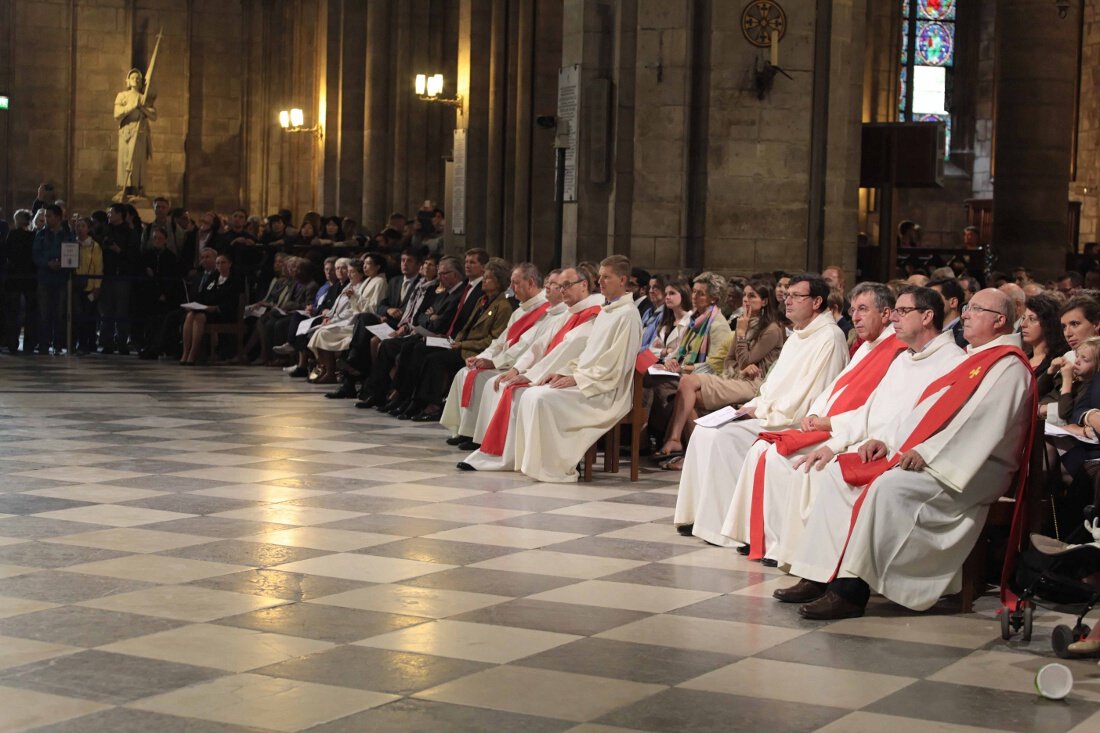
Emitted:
pixel 224 551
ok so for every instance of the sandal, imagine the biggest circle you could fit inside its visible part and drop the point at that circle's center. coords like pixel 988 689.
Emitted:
pixel 663 455
pixel 675 463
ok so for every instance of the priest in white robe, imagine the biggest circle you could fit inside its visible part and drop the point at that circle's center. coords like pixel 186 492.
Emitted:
pixel 811 358
pixel 563 341
pixel 900 515
pixel 536 308
pixel 871 308
pixel 918 322
pixel 559 421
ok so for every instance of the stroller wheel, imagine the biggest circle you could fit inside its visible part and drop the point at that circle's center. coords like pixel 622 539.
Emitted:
pixel 1029 613
pixel 1060 640
pixel 1006 632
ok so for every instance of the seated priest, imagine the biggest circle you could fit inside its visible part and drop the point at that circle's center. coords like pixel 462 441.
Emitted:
pixel 812 356
pixel 899 514
pixel 559 420
pixel 537 309
pixel 888 382
pixel 561 343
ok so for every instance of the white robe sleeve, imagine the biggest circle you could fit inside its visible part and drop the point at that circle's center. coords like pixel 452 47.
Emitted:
pixel 600 368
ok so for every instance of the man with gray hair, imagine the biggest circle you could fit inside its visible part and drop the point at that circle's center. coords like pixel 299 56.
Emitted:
pixel 957 449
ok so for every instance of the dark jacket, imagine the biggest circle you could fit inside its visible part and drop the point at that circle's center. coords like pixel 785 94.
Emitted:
pixel 126 260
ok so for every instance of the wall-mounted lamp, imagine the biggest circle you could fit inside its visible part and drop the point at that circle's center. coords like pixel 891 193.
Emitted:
pixel 1063 7
pixel 4 101
pixel 292 120
pixel 428 89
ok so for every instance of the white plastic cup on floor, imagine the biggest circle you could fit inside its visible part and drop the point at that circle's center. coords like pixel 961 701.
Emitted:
pixel 1054 681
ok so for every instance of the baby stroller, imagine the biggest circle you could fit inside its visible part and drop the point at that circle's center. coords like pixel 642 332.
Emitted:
pixel 1062 575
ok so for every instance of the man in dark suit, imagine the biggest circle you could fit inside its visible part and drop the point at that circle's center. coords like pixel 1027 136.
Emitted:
pixel 953 297
pixel 400 287
pixel 439 317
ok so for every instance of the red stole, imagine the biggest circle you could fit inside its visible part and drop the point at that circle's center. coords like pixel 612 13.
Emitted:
pixel 574 320
pixel 857 384
pixel 497 432
pixel 519 327
pixel 961 383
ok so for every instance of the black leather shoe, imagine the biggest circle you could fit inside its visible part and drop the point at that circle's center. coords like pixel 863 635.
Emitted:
pixel 368 401
pixel 685 529
pixel 743 549
pixel 469 445
pixel 830 607
pixel 459 440
pixel 769 563
pixel 346 392
pixel 430 415
pixel 464 466
pixel 395 406
pixel 804 591
pixel 298 373
pixel 148 355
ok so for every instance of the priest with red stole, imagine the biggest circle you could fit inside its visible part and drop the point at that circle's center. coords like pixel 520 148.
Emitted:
pixel 559 420
pixel 811 358
pixel 759 509
pixel 900 514
pixel 536 307
pixel 561 343
pixel 917 321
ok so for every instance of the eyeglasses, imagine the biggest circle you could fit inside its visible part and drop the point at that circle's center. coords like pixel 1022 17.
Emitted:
pixel 797 296
pixel 903 311
pixel 864 310
pixel 969 308
pixel 553 286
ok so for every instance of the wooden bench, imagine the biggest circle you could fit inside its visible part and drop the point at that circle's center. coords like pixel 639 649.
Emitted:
pixel 635 420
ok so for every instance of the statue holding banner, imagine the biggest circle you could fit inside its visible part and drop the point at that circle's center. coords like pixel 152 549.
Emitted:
pixel 134 111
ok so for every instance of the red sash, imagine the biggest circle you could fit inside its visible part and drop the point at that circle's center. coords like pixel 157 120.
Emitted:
pixel 517 329
pixel 468 386
pixel 521 325
pixel 961 383
pixel 575 320
pixel 857 384
pixel 645 360
pixel 497 432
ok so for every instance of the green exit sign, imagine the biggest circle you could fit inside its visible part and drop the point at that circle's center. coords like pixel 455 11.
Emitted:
pixel 3 101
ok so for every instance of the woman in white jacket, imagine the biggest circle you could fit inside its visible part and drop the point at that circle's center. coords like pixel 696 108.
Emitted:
pixel 365 290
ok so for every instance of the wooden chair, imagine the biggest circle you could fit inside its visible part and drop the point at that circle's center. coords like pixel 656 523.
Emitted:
pixel 635 420
pixel 976 571
pixel 235 329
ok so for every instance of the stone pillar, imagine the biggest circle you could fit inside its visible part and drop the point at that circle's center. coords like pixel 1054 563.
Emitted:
pixel 1035 79
pixel 474 43
pixel 376 118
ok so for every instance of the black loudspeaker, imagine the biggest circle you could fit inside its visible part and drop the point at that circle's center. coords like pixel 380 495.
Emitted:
pixel 913 151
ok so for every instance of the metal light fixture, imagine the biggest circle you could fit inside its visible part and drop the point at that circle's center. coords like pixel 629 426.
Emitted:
pixel 294 119
pixel 1063 7
pixel 428 88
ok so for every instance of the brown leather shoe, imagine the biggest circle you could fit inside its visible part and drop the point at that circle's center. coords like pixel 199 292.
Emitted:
pixel 830 607
pixel 804 591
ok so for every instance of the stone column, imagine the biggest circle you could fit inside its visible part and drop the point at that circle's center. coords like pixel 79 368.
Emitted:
pixel 1033 133
pixel 474 43
pixel 376 121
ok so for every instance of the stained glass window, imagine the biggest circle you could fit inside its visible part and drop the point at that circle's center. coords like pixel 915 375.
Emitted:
pixel 927 62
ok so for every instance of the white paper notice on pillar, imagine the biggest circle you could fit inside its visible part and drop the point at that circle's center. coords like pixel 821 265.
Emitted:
pixel 458 184
pixel 568 80
pixel 70 255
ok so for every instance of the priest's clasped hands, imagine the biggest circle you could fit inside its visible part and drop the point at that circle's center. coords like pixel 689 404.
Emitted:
pixel 872 450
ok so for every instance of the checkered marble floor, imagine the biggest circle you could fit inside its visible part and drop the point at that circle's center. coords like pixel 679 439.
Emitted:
pixel 224 550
